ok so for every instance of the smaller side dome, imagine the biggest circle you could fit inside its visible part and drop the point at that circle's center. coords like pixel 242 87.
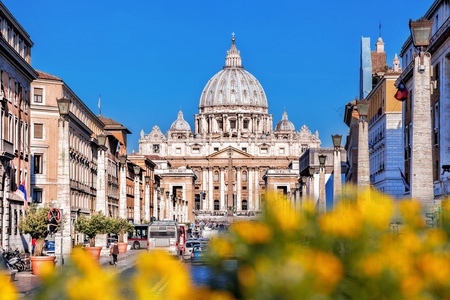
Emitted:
pixel 285 124
pixel 180 124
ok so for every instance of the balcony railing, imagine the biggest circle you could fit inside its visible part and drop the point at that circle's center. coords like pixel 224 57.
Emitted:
pixel 6 149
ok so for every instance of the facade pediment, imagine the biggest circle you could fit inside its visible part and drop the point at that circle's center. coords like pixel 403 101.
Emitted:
pixel 224 153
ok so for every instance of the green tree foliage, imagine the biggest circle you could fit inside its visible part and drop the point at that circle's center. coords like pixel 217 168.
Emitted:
pixel 118 226
pixel 35 223
pixel 92 226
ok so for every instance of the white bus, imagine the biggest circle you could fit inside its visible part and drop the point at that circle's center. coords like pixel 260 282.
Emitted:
pixel 163 235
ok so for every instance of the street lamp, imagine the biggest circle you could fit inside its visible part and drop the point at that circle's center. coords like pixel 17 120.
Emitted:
pixel 123 159
pixel 147 179
pixel 337 181
pixel 336 140
pixel 101 139
pixel 421 33
pixel 137 170
pixel 63 106
pixel 422 187
pixel 322 200
pixel 363 107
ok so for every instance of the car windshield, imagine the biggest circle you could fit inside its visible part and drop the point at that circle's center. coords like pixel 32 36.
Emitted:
pixel 200 248
pixel 191 244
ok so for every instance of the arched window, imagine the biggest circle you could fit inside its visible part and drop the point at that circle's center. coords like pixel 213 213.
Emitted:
pixel 216 176
pixel 216 205
pixel 244 204
pixel 244 176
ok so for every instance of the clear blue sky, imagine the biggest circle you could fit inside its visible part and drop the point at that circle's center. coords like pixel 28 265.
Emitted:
pixel 148 58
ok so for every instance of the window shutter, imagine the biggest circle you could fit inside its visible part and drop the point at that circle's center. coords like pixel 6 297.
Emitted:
pixel 38 128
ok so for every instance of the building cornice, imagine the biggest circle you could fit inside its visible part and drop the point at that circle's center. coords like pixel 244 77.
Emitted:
pixel 16 60
pixel 16 24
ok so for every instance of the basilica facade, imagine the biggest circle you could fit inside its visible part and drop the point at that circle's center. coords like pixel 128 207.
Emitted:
pixel 232 156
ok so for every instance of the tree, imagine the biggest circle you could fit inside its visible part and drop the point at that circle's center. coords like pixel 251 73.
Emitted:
pixel 35 223
pixel 92 226
pixel 119 226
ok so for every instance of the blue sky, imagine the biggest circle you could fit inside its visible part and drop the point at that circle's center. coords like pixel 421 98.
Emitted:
pixel 148 58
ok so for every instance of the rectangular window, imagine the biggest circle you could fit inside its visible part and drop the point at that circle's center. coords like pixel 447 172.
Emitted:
pixel 196 150
pixel 245 124
pixel 16 133
pixel 281 150
pixel 10 89
pixel 233 124
pixel 25 49
pixel 216 187
pixel 304 147
pixel 16 92
pixel 38 95
pixel 178 150
pixel 37 164
pixel 264 150
pixel 244 149
pixel 37 195
pixel 38 131
pixel 216 149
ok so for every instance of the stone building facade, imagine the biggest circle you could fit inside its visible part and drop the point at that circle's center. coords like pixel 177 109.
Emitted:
pixel 439 49
pixel 232 147
pixel 16 75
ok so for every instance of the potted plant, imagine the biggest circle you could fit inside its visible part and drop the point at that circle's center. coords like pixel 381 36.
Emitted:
pixel 35 223
pixel 120 226
pixel 92 226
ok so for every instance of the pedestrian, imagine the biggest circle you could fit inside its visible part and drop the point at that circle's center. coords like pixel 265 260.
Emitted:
pixel 114 252
pixel 33 245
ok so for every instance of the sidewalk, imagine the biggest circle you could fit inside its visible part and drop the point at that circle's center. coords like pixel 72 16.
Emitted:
pixel 27 283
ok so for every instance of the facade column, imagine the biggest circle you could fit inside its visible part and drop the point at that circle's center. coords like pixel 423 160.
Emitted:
pixel 63 192
pixel 363 153
pixel 421 160
pixel 147 202
pixel 238 189
pixel 250 189
pixel 204 189
pixel 137 202
pixel 257 196
pixel 222 187
pixel 123 192
pixel 210 192
pixel 169 206
pixel 100 202
pixel 155 204
pixel 322 195
pixel 311 186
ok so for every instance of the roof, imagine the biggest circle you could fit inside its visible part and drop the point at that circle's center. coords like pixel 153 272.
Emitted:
pixel 110 124
pixel 43 75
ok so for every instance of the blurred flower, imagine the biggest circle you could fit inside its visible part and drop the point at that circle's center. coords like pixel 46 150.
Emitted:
pixel 222 247
pixel 410 210
pixel 253 232
pixel 375 208
pixel 344 222
pixel 7 289
pixel 246 276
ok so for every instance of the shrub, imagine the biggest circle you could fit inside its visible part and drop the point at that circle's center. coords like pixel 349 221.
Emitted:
pixel 35 223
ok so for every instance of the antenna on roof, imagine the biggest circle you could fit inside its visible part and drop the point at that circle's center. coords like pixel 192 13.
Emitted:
pixel 379 29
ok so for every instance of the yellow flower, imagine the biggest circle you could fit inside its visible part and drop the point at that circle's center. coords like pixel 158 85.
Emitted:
pixel 325 267
pixel 285 215
pixel 344 222
pixel 7 289
pixel 435 267
pixel 410 210
pixel 246 276
pixel 223 248
pixel 375 208
pixel 411 285
pixel 207 294
pixel 253 232
pixel 373 265
pixel 436 237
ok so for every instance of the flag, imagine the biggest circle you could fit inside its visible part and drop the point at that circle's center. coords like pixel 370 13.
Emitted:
pixel 99 106
pixel 118 149
pixel 402 92
pixel 22 193
pixel 404 180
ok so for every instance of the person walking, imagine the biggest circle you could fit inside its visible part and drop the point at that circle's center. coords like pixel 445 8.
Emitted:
pixel 114 252
pixel 33 245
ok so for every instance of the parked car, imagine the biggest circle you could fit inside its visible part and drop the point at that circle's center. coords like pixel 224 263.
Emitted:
pixel 188 249
pixel 49 248
pixel 198 253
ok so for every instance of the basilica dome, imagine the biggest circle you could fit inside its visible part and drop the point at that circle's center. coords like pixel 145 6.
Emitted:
pixel 285 124
pixel 233 85
pixel 180 124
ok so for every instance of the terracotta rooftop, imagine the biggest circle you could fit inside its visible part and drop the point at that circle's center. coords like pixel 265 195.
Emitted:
pixel 43 75
pixel 110 124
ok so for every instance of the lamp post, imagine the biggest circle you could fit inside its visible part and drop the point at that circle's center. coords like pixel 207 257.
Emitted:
pixel 421 160
pixel 147 198
pixel 123 187
pixel 137 195
pixel 337 181
pixel 322 199
pixel 63 245
pixel 363 145
pixel 297 195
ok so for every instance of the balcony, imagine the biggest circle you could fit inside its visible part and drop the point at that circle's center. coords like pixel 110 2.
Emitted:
pixel 6 150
